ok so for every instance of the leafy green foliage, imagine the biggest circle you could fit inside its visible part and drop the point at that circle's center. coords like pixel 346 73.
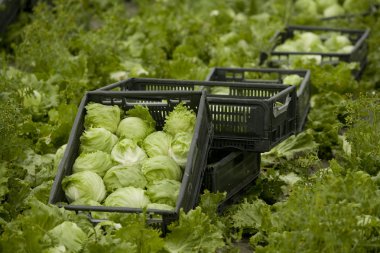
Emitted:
pixel 326 78
pixel 125 232
pixel 50 57
pixel 326 113
pixel 26 234
pixel 292 147
pixel 326 215
pixel 363 133
pixel 193 233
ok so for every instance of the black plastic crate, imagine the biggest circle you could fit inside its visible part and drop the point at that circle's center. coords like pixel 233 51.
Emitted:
pixel 231 172
pixel 357 55
pixel 269 75
pixel 159 105
pixel 253 116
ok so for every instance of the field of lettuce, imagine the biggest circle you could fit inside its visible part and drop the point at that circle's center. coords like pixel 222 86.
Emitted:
pixel 318 191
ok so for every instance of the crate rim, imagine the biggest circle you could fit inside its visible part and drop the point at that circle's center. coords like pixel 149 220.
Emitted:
pixel 306 74
pixel 238 100
pixel 192 82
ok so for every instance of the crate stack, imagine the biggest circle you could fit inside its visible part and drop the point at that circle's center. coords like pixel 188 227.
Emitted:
pixel 241 113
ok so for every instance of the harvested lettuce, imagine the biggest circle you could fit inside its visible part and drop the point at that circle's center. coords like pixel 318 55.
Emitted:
pixel 337 41
pixel 181 119
pixel 137 125
pixel 122 176
pixel 127 152
pixel 164 191
pixel 323 4
pixel 157 143
pixel 312 42
pixel 161 167
pixel 179 148
pixel 90 202
pixel 98 162
pixel 293 80
pixel 132 128
pixel 84 184
pixel 94 139
pixel 99 115
pixel 128 197
pixel 58 155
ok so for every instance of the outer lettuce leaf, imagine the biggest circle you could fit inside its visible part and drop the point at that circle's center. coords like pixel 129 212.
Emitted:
pixel 193 233
pixel 29 231
pixel 292 147
pixel 58 155
pixel 130 234
pixel 144 114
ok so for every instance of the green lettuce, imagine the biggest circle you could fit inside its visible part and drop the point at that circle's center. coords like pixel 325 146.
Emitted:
pixel 98 162
pixel 69 235
pixel 294 146
pixel 128 197
pixel 122 176
pixel 161 167
pixel 133 128
pixel 336 42
pixel 127 152
pixel 84 184
pixel 99 115
pixel 181 119
pixel 94 139
pixel 193 232
pixel 59 155
pixel 164 191
pixel 293 80
pixel 137 125
pixel 179 148
pixel 157 143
